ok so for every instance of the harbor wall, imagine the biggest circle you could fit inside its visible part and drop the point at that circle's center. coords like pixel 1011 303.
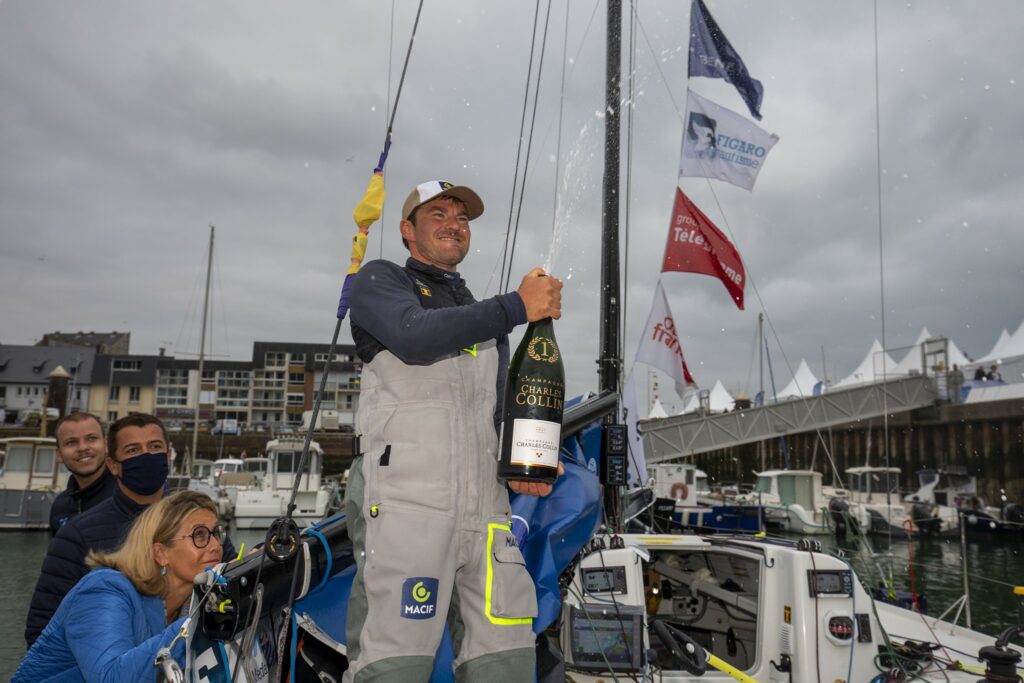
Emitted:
pixel 987 439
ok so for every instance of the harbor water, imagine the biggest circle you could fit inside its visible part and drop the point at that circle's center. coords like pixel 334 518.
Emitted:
pixel 993 567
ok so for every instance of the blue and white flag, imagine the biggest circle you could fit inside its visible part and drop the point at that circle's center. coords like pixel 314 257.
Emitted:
pixel 712 56
pixel 719 143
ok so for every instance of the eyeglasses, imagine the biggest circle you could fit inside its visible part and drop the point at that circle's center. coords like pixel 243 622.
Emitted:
pixel 202 534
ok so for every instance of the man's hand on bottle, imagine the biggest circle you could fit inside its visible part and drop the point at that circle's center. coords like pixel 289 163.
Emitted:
pixel 542 295
pixel 533 488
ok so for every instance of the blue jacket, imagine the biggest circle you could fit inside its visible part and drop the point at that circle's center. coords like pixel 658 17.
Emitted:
pixel 102 528
pixel 104 631
pixel 75 500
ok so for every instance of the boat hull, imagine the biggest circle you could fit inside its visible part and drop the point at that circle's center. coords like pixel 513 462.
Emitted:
pixel 22 510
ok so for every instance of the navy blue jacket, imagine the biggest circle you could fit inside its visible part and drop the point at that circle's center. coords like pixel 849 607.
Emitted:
pixel 75 500
pixel 102 528
pixel 421 314
pixel 105 630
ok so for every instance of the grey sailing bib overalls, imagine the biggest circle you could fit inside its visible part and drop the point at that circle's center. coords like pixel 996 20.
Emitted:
pixel 430 525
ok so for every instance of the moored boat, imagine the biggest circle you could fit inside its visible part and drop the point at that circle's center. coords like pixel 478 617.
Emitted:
pixel 31 476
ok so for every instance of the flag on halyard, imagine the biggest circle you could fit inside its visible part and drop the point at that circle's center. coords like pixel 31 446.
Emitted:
pixel 659 343
pixel 696 245
pixel 365 214
pixel 712 55
pixel 719 143
pixel 637 472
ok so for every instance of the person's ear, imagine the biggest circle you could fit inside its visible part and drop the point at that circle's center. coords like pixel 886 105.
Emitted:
pixel 160 555
pixel 406 228
pixel 114 466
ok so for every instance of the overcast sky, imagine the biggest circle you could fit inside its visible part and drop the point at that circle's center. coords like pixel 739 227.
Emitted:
pixel 127 128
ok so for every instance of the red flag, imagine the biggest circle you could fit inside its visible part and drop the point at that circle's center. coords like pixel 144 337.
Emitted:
pixel 695 245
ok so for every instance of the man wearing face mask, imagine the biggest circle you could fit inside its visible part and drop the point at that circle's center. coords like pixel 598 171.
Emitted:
pixel 140 462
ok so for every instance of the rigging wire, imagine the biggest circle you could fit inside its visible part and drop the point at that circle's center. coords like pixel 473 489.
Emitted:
pixel 529 144
pixel 391 54
pixel 881 260
pixel 499 260
pixel 630 111
pixel 519 149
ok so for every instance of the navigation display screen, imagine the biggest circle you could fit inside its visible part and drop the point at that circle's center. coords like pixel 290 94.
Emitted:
pixel 605 580
pixel 835 582
pixel 600 635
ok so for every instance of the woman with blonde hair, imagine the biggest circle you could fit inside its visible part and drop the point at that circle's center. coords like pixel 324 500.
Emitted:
pixel 115 620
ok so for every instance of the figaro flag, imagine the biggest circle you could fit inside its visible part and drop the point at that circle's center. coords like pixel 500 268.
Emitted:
pixel 712 55
pixel 696 245
pixel 719 143
pixel 659 343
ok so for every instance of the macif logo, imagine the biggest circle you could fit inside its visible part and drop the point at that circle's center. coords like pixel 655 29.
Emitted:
pixel 419 597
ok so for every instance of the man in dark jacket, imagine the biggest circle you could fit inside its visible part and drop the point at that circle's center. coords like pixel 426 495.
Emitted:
pixel 140 463
pixel 83 450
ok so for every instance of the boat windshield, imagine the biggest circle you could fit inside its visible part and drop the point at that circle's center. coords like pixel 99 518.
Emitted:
pixel 764 485
pixel 884 481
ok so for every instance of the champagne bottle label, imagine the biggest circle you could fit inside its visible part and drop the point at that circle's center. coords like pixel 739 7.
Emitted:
pixel 535 443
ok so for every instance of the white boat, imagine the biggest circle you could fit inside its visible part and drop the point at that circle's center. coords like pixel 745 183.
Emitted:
pixel 760 609
pixel 944 495
pixel 793 501
pixel 260 502
pixel 202 480
pixel 679 482
pixel 874 501
pixel 31 476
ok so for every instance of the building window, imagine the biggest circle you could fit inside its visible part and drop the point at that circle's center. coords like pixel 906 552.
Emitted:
pixel 296 399
pixel 115 393
pixel 111 416
pixel 296 378
pixel 297 358
pixel 134 394
pixel 19 391
pixel 172 377
pixel 125 365
pixel 273 359
pixel 78 394
pixel 171 396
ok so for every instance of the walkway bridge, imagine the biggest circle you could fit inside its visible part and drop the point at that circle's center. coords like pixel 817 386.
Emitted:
pixel 683 435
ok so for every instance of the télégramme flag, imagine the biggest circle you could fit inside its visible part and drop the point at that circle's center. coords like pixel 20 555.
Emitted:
pixel 696 245
pixel 719 143
pixel 659 345
pixel 712 55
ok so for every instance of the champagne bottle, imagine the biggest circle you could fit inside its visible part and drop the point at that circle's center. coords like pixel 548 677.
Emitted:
pixel 531 425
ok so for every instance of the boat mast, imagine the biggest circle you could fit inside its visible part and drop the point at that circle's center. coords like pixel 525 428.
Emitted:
pixel 186 465
pixel 610 362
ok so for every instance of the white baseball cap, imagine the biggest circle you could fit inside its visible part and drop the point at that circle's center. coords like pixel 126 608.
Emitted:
pixel 432 189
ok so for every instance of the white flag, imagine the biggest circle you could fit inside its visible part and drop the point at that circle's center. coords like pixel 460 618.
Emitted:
pixel 719 143
pixel 659 344
pixel 637 473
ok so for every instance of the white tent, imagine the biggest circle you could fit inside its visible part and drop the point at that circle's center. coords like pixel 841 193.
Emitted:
pixel 720 399
pixel 802 384
pixel 657 410
pixel 1008 346
pixel 876 364
pixel 914 361
pixel 997 350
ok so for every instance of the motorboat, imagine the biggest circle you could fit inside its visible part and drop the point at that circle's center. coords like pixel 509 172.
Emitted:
pixel 202 480
pixel 944 496
pixel 873 503
pixel 675 487
pixel 31 477
pixel 793 501
pixel 264 495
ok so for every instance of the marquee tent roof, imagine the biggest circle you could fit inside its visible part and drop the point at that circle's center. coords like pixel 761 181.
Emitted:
pixel 913 361
pixel 875 364
pixel 1008 346
pixel 721 400
pixel 657 410
pixel 802 384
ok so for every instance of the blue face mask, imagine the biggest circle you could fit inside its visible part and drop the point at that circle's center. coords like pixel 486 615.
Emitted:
pixel 145 474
